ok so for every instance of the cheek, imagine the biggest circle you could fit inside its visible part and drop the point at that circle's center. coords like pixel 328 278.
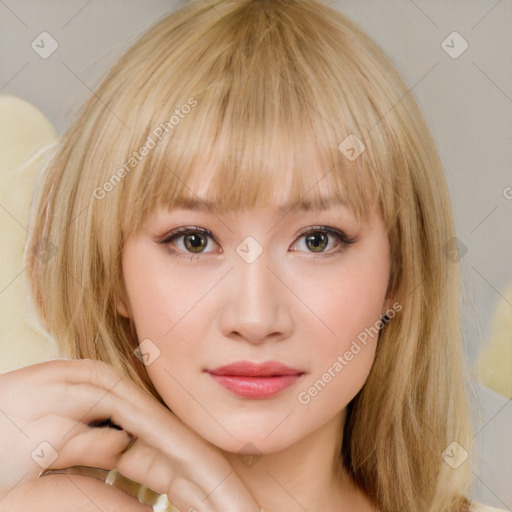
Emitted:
pixel 349 308
pixel 162 304
pixel 350 300
pixel 355 307
pixel 161 297
pixel 347 347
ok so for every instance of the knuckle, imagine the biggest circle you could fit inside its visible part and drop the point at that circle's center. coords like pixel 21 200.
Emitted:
pixel 97 371
pixel 185 494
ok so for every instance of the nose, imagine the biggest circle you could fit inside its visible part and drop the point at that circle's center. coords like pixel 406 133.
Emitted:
pixel 257 303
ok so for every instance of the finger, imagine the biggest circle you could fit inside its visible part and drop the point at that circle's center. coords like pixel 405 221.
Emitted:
pixel 55 380
pixel 77 371
pixel 66 394
pixel 143 416
pixel 207 484
pixel 147 465
pixel 148 420
pixel 178 459
pixel 144 463
pixel 96 447
pixel 67 415
pixel 58 442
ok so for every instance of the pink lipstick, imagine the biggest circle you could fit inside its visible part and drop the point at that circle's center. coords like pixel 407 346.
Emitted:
pixel 256 380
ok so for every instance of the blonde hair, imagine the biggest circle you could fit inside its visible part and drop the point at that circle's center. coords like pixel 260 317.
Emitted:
pixel 261 92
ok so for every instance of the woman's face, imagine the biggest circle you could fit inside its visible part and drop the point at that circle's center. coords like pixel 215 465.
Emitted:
pixel 265 285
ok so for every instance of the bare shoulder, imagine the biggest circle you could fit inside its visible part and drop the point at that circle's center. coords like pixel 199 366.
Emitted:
pixel 65 493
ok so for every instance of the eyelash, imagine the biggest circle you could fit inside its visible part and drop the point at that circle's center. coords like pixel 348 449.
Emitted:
pixel 343 240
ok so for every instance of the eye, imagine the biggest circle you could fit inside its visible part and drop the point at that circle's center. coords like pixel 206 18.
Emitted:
pixel 317 238
pixel 191 241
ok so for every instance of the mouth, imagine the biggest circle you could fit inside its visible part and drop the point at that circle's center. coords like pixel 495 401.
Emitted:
pixel 256 380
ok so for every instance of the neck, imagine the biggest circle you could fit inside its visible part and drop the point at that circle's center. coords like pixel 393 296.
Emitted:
pixel 303 476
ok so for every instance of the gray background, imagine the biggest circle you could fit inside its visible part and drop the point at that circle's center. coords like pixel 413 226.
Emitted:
pixel 467 102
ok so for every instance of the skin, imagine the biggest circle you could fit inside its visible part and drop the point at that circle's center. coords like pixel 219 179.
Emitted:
pixel 81 494
pixel 292 305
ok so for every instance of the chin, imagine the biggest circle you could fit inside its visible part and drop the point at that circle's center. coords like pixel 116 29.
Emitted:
pixel 246 441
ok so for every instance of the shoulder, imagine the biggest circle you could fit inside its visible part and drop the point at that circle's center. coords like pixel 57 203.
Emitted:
pixel 61 493
pixel 479 507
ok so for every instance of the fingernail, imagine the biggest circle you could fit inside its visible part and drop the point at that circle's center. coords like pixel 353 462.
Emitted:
pixel 130 444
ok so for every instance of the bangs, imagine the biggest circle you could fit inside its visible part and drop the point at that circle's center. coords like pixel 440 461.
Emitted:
pixel 265 118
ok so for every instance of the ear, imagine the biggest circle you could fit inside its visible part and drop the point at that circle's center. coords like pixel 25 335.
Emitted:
pixel 122 307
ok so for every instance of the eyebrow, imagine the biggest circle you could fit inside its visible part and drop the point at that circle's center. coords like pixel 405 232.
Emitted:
pixel 325 203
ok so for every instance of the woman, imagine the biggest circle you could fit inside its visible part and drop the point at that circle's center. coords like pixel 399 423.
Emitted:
pixel 243 371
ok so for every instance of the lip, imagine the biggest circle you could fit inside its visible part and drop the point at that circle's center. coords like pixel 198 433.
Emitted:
pixel 251 369
pixel 256 380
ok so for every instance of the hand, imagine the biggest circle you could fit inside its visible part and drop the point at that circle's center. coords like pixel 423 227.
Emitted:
pixel 44 414
pixel 43 423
